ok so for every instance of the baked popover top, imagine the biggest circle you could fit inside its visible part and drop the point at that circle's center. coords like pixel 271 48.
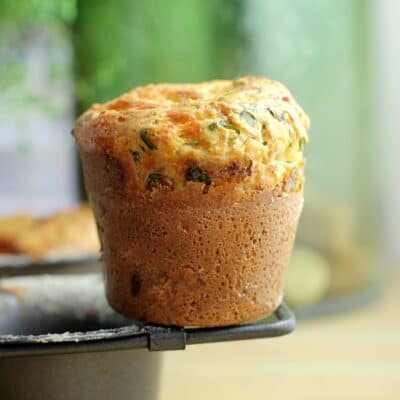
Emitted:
pixel 248 132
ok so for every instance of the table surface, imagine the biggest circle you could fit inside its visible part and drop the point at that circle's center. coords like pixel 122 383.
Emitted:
pixel 355 355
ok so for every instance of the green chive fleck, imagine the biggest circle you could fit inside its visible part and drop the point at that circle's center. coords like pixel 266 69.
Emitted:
pixel 249 118
pixel 155 178
pixel 275 115
pixel 196 174
pixel 144 135
pixel 302 143
pixel 285 116
pixel 271 112
pixel 265 143
pixel 213 126
pixel 136 156
pixel 230 126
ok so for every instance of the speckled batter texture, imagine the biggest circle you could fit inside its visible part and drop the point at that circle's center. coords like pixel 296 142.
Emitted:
pixel 249 131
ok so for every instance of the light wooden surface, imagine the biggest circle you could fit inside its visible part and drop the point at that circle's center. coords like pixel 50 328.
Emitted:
pixel 350 356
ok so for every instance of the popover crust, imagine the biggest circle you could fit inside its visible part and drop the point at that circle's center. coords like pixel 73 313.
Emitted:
pixel 248 131
pixel 197 190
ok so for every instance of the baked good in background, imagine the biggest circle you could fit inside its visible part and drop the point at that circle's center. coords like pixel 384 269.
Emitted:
pixel 65 232
pixel 308 278
pixel 336 241
pixel 12 227
pixel 197 190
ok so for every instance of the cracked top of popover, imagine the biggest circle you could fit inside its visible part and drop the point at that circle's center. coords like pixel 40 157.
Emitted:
pixel 249 132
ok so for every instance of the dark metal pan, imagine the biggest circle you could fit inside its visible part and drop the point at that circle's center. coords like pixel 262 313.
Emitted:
pixel 59 339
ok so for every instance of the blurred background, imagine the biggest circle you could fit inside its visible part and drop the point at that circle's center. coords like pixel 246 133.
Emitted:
pixel 340 60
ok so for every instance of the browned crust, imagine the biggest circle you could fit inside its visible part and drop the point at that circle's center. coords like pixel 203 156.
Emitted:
pixel 248 131
pixel 233 172
pixel 187 258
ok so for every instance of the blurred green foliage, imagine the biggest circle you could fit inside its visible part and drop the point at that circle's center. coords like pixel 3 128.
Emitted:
pixel 122 44
pixel 24 12
pixel 27 23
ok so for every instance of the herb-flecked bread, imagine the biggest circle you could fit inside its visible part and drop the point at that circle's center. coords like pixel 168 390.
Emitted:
pixel 197 191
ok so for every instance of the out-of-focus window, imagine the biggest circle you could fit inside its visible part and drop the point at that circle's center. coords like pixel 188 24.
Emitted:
pixel 37 163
